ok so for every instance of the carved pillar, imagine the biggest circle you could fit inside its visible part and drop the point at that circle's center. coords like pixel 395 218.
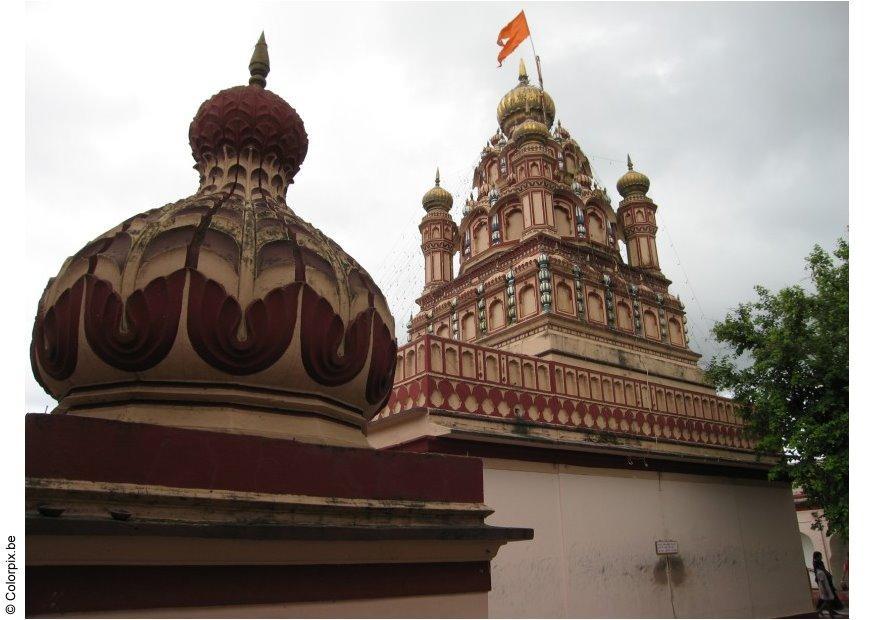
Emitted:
pixel 510 279
pixel 609 302
pixel 578 293
pixel 545 283
pixel 481 310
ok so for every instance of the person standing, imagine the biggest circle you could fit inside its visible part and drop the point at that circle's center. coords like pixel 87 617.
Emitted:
pixel 828 597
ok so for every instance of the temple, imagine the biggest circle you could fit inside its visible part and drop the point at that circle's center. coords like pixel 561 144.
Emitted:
pixel 559 355
pixel 238 433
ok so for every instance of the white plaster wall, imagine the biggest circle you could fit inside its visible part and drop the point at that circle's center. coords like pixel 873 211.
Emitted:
pixel 593 553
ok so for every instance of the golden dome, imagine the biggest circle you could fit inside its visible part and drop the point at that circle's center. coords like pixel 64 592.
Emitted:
pixel 437 197
pixel 633 182
pixel 525 102
pixel 530 129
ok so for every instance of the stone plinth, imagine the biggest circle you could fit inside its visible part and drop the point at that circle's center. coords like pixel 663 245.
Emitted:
pixel 135 519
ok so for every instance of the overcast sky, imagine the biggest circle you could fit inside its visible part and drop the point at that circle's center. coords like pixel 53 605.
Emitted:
pixel 738 113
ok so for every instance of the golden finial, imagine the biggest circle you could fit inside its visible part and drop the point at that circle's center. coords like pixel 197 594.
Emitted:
pixel 437 177
pixel 524 76
pixel 629 161
pixel 259 65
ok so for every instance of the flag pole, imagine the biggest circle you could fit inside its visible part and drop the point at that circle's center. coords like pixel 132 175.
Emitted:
pixel 540 77
pixel 537 60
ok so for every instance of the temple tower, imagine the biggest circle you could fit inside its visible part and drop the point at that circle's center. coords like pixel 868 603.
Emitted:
pixel 637 213
pixel 438 234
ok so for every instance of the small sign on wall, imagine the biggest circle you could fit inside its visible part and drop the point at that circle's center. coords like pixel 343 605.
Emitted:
pixel 666 547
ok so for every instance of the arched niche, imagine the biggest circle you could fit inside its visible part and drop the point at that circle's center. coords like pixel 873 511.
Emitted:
pixel 469 368
pixel 480 237
pixel 595 307
pixel 529 375
pixel 624 317
pixel 595 226
pixel 496 315
pixel 527 301
pixel 469 327
pixel 675 332
pixel 493 172
pixel 437 361
pixel 651 325
pixel 491 368
pixel 513 373
pixel 563 220
pixel 452 360
pixel 564 298
pixel 513 223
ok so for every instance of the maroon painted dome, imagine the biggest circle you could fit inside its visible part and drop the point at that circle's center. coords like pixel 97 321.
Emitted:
pixel 223 310
pixel 248 117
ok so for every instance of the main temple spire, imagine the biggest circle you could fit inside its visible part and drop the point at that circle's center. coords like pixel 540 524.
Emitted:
pixel 524 75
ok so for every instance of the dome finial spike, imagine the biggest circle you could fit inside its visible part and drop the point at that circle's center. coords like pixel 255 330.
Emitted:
pixel 629 161
pixel 259 65
pixel 437 177
pixel 524 75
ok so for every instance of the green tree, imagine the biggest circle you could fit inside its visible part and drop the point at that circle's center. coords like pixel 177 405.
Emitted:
pixel 788 366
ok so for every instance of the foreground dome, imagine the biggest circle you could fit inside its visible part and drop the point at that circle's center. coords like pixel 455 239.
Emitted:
pixel 223 309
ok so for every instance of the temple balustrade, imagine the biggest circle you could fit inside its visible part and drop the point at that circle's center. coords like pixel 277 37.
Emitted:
pixel 444 374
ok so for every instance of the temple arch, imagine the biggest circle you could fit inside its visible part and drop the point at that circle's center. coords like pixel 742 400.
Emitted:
pixel 595 308
pixel 563 221
pixel 480 237
pixel 675 332
pixel 469 327
pixel 624 316
pixel 513 224
pixel 651 325
pixel 595 225
pixel 496 315
pixel 564 298
pixel 527 301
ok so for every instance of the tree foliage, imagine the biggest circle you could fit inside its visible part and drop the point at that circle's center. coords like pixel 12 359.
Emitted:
pixel 788 367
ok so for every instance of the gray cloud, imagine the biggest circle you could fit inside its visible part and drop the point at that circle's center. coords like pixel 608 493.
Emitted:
pixel 737 112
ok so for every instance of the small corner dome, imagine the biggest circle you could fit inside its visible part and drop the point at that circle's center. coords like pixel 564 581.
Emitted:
pixel 437 197
pixel 633 182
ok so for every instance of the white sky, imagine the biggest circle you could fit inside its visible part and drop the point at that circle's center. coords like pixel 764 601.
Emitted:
pixel 738 113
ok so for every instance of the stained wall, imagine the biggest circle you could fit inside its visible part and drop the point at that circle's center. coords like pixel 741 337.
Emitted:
pixel 593 552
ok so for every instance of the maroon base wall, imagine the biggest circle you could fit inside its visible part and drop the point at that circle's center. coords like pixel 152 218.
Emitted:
pixel 74 448
pixel 59 589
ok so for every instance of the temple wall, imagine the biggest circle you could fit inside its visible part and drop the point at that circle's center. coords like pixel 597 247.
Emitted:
pixel 593 552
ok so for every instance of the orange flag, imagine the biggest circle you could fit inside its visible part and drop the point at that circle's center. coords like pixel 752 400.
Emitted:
pixel 512 35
